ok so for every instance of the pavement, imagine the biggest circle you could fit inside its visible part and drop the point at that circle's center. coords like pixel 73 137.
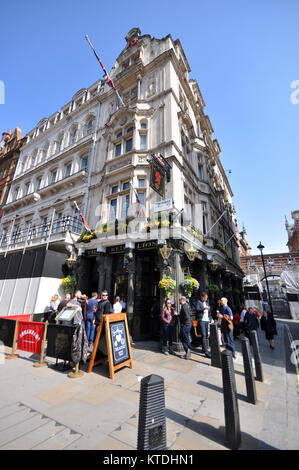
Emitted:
pixel 43 408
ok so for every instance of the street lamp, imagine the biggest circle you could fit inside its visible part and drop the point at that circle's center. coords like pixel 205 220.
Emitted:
pixel 261 247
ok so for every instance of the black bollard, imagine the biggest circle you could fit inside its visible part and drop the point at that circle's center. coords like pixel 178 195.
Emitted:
pixel 257 356
pixel 215 347
pixel 249 378
pixel 231 409
pixel 152 423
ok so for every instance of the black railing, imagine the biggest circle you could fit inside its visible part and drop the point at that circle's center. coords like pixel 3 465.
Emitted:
pixel 42 231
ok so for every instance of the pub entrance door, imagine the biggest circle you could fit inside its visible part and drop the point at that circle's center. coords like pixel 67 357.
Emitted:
pixel 146 319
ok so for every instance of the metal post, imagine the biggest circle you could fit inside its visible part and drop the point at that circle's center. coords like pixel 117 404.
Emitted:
pixel 257 356
pixel 77 373
pixel 249 378
pixel 41 362
pixel 152 422
pixel 215 347
pixel 231 410
pixel 13 355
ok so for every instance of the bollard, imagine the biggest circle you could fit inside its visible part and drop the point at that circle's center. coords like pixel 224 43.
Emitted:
pixel 249 378
pixel 41 362
pixel 78 373
pixel 13 355
pixel 152 423
pixel 257 357
pixel 215 346
pixel 231 410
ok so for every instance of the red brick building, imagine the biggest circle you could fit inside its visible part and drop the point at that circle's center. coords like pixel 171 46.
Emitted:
pixel 10 145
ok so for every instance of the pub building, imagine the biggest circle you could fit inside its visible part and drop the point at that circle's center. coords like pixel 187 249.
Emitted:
pixel 146 172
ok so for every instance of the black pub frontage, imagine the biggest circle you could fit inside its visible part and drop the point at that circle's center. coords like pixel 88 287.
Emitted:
pixel 133 270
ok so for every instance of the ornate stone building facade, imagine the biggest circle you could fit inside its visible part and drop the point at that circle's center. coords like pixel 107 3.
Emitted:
pixel 9 154
pixel 189 228
pixel 293 232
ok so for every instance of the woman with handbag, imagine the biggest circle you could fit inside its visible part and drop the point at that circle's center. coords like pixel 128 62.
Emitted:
pixel 168 322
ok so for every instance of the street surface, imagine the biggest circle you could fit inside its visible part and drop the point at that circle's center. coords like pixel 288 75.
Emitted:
pixel 42 408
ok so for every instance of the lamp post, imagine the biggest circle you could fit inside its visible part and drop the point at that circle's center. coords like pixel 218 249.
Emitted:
pixel 261 247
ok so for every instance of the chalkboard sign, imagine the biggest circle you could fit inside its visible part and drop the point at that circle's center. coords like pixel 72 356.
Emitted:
pixel 116 334
pixel 59 343
pixel 119 342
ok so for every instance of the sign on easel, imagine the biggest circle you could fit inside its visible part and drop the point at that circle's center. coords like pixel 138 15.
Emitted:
pixel 119 350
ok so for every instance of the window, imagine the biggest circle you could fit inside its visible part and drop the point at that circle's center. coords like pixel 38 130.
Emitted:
pixel 113 209
pixel 141 197
pixel 117 150
pixel 129 145
pixel 73 136
pixel 68 169
pixel 53 176
pixel 143 141
pixel 119 135
pixel 84 162
pixel 59 145
pixel 141 182
pixel 126 185
pixel 125 201
pixel 16 194
pixel 44 227
pixel 204 217
pixel 89 126
pixel 129 130
pixel 143 125
pixel 27 189
pixel 38 184
pixel 114 189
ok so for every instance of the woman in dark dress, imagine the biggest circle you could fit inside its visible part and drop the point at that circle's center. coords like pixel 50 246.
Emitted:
pixel 268 324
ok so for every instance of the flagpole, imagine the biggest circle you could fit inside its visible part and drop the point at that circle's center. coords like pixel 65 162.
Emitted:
pixel 228 240
pixel 50 231
pixel 215 222
pixel 105 71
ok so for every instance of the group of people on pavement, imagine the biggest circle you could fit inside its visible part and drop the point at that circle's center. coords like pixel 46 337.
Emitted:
pixel 89 310
pixel 231 326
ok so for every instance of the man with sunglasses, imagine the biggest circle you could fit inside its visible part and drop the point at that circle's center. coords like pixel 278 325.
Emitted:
pixel 104 308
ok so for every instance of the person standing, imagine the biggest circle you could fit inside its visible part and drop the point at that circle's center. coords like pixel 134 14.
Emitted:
pixel 53 308
pixel 242 318
pixel 203 317
pixel 117 306
pixel 251 322
pixel 226 317
pixel 168 318
pixel 104 308
pixel 64 302
pixel 268 325
pixel 185 327
pixel 73 303
pixel 91 307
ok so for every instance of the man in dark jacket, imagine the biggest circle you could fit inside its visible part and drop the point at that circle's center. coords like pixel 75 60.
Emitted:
pixel 104 308
pixel 185 327
pixel 251 322
pixel 203 318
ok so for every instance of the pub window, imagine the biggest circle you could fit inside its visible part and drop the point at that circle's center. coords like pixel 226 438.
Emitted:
pixel 126 185
pixel 68 169
pixel 129 145
pixel 113 209
pixel 117 150
pixel 53 176
pixel 143 141
pixel 84 162
pixel 125 200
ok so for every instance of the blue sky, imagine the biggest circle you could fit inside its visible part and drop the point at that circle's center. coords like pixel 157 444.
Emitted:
pixel 244 55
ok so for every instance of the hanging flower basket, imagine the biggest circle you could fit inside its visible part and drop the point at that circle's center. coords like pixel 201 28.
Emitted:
pixel 190 284
pixel 168 284
pixel 69 283
pixel 86 237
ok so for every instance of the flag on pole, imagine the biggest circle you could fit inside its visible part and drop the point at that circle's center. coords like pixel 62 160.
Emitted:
pixel 109 81
pixel 140 211
pixel 86 226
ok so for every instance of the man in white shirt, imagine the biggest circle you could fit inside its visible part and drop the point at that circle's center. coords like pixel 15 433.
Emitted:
pixel 203 316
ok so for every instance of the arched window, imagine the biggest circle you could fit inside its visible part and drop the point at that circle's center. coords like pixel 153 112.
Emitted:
pixel 73 135
pixel 89 125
